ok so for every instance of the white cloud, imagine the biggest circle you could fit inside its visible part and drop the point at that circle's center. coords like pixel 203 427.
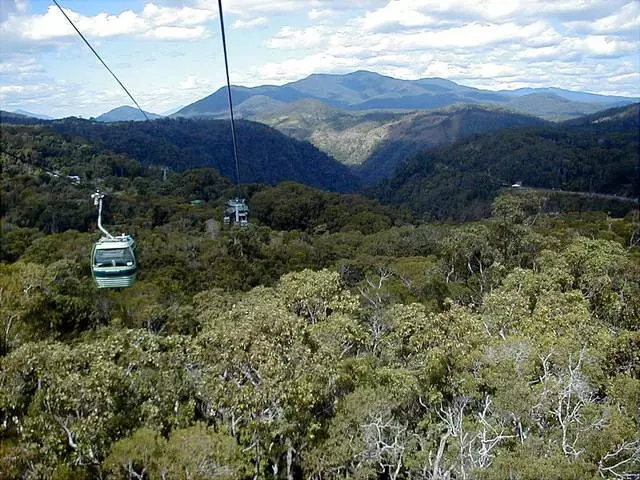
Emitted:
pixel 470 36
pixel 177 33
pixel 12 88
pixel 20 65
pixel 473 35
pixel 152 22
pixel 192 82
pixel 396 14
pixel 316 14
pixel 52 25
pixel 627 19
pixel 497 10
pixel 176 17
pixel 604 46
pixel 254 22
pixel 626 78
pixel 294 69
pixel 249 7
pixel 292 38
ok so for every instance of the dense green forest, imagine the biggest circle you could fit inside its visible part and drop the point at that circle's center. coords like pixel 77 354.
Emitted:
pixel 596 154
pixel 425 130
pixel 264 154
pixel 334 338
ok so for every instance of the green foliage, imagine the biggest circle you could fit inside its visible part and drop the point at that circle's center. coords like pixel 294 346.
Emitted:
pixel 264 154
pixel 344 347
pixel 193 453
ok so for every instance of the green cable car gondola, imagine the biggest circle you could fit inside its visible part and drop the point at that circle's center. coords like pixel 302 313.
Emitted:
pixel 113 259
pixel 113 262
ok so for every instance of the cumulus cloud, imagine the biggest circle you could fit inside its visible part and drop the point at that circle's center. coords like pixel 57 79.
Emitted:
pixel 498 10
pixel 294 38
pixel 153 21
pixel 486 43
pixel 626 19
pixel 577 44
pixel 396 14
pixel 177 33
pixel 316 14
pixel 194 82
pixel 176 17
pixel 254 22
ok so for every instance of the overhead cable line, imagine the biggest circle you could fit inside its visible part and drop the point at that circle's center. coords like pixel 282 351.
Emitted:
pixel 102 61
pixel 226 66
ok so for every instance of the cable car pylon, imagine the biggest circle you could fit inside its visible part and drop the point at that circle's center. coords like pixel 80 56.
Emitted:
pixel 113 258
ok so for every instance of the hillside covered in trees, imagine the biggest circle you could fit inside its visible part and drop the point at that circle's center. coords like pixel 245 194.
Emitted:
pixel 334 338
pixel 264 154
pixel 595 154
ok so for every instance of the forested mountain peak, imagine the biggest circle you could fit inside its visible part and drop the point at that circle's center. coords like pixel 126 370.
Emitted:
pixel 359 117
pixel 18 118
pixel 415 132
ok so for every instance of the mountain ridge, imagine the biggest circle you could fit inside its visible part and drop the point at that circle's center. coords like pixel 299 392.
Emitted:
pixel 364 90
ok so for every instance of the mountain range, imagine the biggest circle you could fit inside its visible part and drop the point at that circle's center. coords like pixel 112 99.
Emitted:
pixel 373 122
pixel 375 126
pixel 363 90
pixel 26 113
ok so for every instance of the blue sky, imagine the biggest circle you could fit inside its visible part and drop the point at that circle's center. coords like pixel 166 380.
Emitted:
pixel 168 52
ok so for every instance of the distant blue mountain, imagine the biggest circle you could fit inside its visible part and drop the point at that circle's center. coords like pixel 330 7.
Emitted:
pixel 126 114
pixel 363 90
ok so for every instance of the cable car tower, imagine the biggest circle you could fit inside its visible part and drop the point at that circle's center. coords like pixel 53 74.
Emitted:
pixel 237 211
pixel 113 259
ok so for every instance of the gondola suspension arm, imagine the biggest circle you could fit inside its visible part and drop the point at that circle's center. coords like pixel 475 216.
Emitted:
pixel 97 201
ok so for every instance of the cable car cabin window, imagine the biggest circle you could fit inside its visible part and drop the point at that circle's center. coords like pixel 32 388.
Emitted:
pixel 117 257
